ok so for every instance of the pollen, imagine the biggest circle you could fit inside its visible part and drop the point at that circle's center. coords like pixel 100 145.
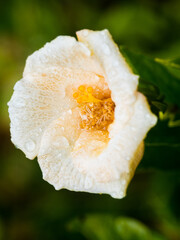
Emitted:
pixel 81 88
pixel 89 89
pixel 75 95
pixel 96 113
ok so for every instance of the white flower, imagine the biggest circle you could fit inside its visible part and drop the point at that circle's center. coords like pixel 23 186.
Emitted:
pixel 78 110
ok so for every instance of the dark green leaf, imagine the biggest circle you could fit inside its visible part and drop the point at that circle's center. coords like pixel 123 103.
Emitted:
pixel 162 147
pixel 106 227
pixel 155 73
pixel 174 63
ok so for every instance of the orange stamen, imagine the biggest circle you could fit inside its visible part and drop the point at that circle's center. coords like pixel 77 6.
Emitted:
pixel 75 95
pixel 81 88
pixel 99 112
pixel 89 89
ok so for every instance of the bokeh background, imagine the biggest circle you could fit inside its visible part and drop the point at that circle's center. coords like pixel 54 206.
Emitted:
pixel 29 207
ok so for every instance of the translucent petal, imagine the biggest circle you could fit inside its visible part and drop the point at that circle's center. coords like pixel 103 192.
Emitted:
pixel 58 166
pixel 64 51
pixel 119 75
pixel 40 98
pixel 116 159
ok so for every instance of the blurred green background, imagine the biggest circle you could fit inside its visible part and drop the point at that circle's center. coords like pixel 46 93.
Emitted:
pixel 29 207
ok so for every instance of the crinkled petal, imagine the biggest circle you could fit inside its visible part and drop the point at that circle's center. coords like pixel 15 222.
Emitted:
pixel 121 155
pixel 33 106
pixel 119 75
pixel 84 161
pixel 43 94
pixel 40 98
pixel 64 51
pixel 133 117
pixel 57 162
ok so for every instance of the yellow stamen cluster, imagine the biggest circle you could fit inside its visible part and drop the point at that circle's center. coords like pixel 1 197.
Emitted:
pixel 84 95
pixel 95 113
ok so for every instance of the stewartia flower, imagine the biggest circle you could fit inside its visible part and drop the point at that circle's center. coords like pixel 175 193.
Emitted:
pixel 78 110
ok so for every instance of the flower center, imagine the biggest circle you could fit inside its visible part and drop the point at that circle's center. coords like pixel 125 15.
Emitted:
pixel 96 111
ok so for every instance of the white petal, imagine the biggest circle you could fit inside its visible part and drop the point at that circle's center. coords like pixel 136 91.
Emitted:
pixel 116 160
pixel 64 51
pixel 57 163
pixel 133 117
pixel 40 98
pixel 36 101
pixel 119 76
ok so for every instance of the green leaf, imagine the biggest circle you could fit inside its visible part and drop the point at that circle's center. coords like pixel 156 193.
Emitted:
pixel 174 63
pixel 105 227
pixel 131 229
pixel 162 147
pixel 154 73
